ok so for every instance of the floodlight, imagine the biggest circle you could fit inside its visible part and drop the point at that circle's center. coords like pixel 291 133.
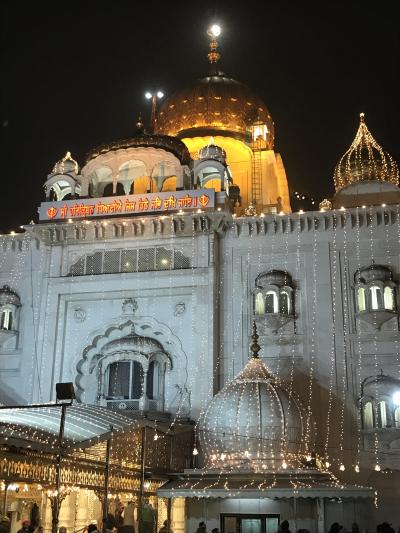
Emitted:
pixel 215 30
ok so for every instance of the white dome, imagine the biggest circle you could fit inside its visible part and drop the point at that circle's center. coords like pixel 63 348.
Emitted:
pixel 253 420
pixel 66 165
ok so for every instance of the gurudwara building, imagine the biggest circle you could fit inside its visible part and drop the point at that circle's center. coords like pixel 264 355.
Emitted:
pixel 233 362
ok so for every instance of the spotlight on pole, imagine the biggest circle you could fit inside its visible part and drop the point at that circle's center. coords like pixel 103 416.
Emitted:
pixel 153 97
pixel 214 30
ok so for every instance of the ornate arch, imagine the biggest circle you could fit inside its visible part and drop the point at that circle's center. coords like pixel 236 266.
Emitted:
pixel 87 360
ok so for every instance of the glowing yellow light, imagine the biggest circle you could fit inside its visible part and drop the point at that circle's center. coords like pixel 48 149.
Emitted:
pixel 327 464
pixel 377 468
pixel 342 468
pixel 284 465
pixel 357 469
pixel 215 30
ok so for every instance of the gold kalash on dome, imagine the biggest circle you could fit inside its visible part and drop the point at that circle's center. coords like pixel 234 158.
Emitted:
pixel 240 123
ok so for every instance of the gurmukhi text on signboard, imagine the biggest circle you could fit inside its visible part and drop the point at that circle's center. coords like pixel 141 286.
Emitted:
pixel 127 205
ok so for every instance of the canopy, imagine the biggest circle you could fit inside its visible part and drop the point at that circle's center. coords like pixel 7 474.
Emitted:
pixel 310 483
pixel 84 424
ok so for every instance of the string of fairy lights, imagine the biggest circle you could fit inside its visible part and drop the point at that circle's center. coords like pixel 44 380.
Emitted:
pixel 343 218
pixel 333 259
pixel 359 356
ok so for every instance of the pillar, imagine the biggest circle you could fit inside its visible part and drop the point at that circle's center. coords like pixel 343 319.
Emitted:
pixel 320 515
pixel 143 403
pixel 178 515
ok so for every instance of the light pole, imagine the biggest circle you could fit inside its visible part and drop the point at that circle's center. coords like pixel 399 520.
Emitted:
pixel 153 97
pixel 66 393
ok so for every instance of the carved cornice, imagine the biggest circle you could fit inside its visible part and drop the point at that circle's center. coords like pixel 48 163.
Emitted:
pixel 190 224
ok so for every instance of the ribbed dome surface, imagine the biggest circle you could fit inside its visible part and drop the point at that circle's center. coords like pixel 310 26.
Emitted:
pixel 214 104
pixel 66 165
pixel 252 419
pixel 212 151
pixel 365 160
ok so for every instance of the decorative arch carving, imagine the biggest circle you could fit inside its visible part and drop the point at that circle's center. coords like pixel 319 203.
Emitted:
pixel 88 360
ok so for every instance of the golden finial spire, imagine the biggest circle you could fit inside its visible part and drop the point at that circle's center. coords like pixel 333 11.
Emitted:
pixel 213 55
pixel 255 347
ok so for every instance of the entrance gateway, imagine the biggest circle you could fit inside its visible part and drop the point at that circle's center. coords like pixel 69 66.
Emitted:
pixel 249 523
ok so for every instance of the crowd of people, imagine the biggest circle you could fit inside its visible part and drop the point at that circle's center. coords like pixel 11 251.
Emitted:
pixel 385 527
pixel 110 526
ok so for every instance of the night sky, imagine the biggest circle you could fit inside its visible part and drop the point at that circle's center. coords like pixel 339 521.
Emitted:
pixel 74 74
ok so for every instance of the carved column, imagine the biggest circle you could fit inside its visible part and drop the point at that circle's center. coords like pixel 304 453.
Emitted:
pixel 143 403
pixel 178 515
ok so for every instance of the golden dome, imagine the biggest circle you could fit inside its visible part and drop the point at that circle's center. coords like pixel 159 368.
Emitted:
pixel 214 105
pixel 365 160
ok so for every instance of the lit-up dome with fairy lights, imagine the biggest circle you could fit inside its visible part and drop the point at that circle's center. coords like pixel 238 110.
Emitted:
pixel 214 105
pixel 365 160
pixel 66 165
pixel 253 422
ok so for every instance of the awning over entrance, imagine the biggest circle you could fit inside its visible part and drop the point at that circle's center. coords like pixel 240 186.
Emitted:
pixel 84 424
pixel 310 483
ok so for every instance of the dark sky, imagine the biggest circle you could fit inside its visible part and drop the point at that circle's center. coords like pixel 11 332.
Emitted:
pixel 73 76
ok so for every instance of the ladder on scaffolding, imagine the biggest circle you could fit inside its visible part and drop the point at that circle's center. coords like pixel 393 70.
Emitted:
pixel 256 174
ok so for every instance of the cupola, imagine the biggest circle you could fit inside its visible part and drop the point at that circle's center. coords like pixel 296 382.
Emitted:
pixel 253 422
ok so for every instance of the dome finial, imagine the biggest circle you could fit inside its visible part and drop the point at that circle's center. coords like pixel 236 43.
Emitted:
pixel 213 55
pixel 139 125
pixel 255 347
pixel 362 115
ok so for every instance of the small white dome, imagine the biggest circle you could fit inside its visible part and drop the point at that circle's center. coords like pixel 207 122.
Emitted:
pixel 253 419
pixel 66 165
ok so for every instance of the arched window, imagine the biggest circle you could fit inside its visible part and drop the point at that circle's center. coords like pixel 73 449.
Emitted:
pixel 271 304
pixel 259 304
pixel 397 417
pixel 388 298
pixel 284 303
pixel 361 299
pixel 376 297
pixel 382 415
pixel 6 319
pixel 125 380
pixel 368 416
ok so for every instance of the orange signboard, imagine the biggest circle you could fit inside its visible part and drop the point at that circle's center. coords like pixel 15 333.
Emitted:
pixel 128 205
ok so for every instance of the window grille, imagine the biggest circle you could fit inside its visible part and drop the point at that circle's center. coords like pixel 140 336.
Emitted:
pixel 146 259
pixel 111 262
pixel 129 261
pixel 133 260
